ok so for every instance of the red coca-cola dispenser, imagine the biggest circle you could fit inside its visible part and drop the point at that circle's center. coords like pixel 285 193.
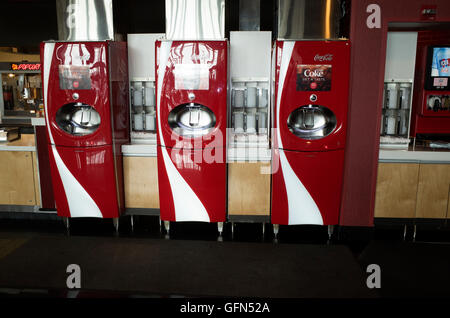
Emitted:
pixel 191 113
pixel 85 87
pixel 191 94
pixel 310 122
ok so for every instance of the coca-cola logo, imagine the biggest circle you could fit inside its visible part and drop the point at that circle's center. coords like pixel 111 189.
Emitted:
pixel 326 57
pixel 313 73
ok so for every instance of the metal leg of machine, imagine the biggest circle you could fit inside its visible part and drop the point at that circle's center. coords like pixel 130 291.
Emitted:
pixel 132 222
pixel 330 231
pixel 263 229
pixel 232 230
pixel 415 232
pixel 220 228
pixel 405 230
pixel 167 226
pixel 116 224
pixel 276 228
pixel 66 222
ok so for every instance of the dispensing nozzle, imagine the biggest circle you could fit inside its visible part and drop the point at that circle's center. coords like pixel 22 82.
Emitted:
pixel 194 115
pixel 308 117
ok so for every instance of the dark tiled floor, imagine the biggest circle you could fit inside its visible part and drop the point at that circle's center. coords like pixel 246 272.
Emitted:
pixel 301 263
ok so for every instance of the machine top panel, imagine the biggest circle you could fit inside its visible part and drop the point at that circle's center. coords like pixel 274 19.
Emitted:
pixel 308 19
pixel 141 55
pixel 195 20
pixel 250 53
pixel 85 20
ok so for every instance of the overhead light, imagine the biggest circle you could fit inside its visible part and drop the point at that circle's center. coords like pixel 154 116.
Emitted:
pixel 11 75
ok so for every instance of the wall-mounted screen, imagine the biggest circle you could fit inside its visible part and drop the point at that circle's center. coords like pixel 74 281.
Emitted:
pixel 438 68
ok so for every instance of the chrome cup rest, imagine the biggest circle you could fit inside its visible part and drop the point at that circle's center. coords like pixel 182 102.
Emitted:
pixel 78 119
pixel 311 122
pixel 192 120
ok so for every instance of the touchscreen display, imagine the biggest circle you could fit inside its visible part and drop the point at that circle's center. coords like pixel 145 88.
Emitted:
pixel 441 62
pixel 191 76
pixel 313 77
pixel 74 77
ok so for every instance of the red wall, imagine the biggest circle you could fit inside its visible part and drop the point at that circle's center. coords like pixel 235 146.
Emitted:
pixel 367 76
pixel 423 124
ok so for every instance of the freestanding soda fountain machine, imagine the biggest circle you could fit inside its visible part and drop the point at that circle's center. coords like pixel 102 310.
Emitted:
pixel 85 86
pixel 311 80
pixel 191 109
pixel 310 114
pixel 192 120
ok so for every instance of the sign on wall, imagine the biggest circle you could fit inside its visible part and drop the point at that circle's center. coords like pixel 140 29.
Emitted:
pixel 20 66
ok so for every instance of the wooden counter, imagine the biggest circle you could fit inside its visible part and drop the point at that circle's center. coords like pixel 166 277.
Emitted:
pixel 413 190
pixel 141 182
pixel 25 143
pixel 423 155
pixel 396 193
pixel 433 191
pixel 18 172
pixel 249 188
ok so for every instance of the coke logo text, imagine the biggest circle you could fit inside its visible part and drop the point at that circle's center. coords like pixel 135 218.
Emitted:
pixel 315 73
pixel 326 57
